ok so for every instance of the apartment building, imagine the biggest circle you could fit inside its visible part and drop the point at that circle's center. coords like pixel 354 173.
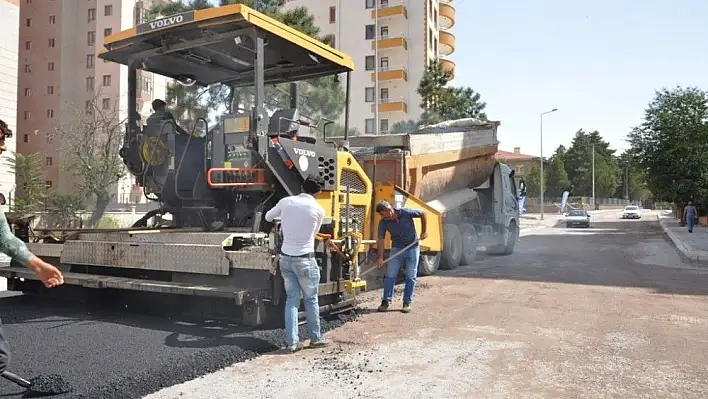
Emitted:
pixel 60 75
pixel 9 20
pixel 390 50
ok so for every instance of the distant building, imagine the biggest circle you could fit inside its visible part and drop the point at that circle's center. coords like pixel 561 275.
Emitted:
pixel 10 17
pixel 521 163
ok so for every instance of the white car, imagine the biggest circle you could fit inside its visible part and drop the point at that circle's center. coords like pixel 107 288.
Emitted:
pixel 578 218
pixel 631 212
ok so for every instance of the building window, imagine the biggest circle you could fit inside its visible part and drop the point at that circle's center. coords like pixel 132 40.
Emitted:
pixel 106 103
pixel 52 19
pixel 50 113
pixel 370 62
pixel 28 92
pixel 25 138
pixel 107 32
pixel 370 31
pixel 91 14
pixel 384 32
pixel 88 107
pixel 28 22
pixel 89 61
pixel 384 63
pixel 89 83
pixel 369 126
pixel 51 42
pixel 28 45
pixel 106 80
pixel 50 90
pixel 50 66
pixel 28 68
pixel 27 115
pixel 384 93
pixel 48 161
pixel 369 3
pixel 91 38
pixel 383 125
pixel 369 94
pixel 48 183
pixel 108 10
pixel 332 15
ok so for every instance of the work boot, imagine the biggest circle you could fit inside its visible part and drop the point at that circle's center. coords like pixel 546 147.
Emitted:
pixel 318 344
pixel 293 348
pixel 383 307
pixel 406 308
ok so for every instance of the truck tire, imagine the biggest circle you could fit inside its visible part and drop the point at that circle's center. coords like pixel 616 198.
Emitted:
pixel 469 243
pixel 428 264
pixel 508 241
pixel 452 247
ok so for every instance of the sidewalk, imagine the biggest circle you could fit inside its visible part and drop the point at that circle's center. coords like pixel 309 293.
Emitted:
pixel 692 246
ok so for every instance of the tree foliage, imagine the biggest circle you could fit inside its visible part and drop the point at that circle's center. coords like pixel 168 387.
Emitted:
pixel 670 146
pixel 321 97
pixel 556 178
pixel 533 182
pixel 89 140
pixel 32 192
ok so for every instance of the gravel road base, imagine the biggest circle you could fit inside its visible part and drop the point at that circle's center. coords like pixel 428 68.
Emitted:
pixel 589 313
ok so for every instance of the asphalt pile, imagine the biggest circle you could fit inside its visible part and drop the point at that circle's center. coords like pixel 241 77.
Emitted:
pixel 125 355
pixel 347 369
pixel 48 385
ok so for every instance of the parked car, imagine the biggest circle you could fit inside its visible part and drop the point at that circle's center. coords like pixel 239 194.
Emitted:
pixel 631 212
pixel 577 218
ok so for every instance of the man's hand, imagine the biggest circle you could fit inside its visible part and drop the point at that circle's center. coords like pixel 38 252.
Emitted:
pixel 50 275
pixel 379 263
pixel 423 236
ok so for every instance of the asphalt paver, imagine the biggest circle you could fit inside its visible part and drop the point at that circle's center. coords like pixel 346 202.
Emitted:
pixel 114 354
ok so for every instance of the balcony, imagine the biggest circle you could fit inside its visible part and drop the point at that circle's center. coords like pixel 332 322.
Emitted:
pixel 391 9
pixel 449 66
pixel 446 16
pixel 392 104
pixel 447 43
pixel 390 42
pixel 391 73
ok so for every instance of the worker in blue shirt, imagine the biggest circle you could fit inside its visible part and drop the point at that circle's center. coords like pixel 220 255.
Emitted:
pixel 400 225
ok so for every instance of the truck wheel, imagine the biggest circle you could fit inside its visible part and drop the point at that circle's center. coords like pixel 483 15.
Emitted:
pixel 452 247
pixel 428 264
pixel 511 238
pixel 469 243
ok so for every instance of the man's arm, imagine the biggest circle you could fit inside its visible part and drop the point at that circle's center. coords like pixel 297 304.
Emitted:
pixel 417 213
pixel 274 212
pixel 380 241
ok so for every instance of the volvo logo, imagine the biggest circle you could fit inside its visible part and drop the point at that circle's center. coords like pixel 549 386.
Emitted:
pixel 307 153
pixel 166 22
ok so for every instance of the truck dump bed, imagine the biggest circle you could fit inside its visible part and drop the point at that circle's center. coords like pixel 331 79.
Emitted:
pixel 431 161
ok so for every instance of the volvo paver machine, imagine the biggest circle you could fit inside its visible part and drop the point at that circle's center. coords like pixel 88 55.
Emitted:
pixel 218 185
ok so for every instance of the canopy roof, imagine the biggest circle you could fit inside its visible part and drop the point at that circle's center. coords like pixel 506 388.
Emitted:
pixel 215 45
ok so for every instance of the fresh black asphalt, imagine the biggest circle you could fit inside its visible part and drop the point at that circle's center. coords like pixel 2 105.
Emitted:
pixel 115 354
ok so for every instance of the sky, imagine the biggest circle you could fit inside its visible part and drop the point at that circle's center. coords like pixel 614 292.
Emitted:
pixel 599 62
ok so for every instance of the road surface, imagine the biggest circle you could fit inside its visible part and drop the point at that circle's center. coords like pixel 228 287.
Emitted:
pixel 609 311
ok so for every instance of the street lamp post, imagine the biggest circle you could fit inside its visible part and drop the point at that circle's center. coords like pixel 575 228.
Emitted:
pixel 542 188
pixel 593 176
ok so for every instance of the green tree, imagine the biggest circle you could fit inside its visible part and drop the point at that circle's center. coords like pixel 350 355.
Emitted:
pixel 670 146
pixel 578 161
pixel 32 192
pixel 465 103
pixel 605 177
pixel 556 176
pixel 533 182
pixel 405 126
pixel 321 97
pixel 441 102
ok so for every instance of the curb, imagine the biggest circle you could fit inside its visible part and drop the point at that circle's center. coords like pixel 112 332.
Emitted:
pixel 699 257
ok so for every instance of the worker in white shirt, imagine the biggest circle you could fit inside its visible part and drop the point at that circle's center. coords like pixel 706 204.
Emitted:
pixel 300 220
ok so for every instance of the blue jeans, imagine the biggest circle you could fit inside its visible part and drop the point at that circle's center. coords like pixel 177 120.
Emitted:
pixel 301 275
pixel 690 221
pixel 410 259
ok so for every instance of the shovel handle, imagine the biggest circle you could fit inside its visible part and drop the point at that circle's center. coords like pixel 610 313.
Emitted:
pixel 406 248
pixel 16 379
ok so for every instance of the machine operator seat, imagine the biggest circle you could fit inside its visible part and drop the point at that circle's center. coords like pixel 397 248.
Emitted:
pixel 285 128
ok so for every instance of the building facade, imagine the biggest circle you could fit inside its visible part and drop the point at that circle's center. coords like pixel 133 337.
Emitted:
pixel 400 39
pixel 60 75
pixel 10 20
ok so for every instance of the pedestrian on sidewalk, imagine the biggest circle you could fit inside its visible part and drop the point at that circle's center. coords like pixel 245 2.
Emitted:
pixel 689 213
pixel 17 250
pixel 399 224
pixel 522 196
pixel 300 222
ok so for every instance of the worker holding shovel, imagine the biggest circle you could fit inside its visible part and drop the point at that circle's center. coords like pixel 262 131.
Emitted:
pixel 400 225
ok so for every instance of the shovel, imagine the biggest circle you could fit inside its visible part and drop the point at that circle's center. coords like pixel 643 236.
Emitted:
pixel 406 248
pixel 40 386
